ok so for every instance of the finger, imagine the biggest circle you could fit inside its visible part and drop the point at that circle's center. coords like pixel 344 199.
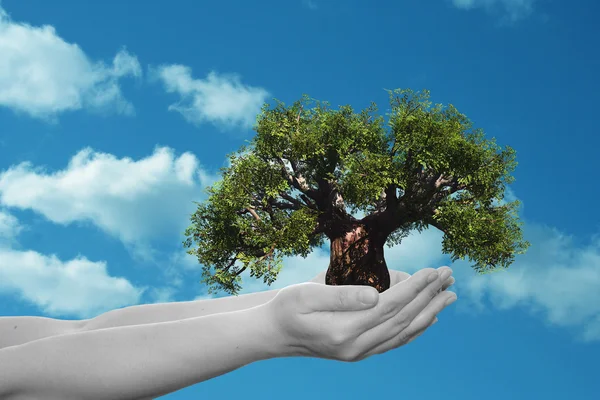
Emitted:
pixel 436 306
pixel 424 301
pixel 413 337
pixel 449 282
pixel 382 348
pixel 427 290
pixel 395 299
pixel 397 277
pixel 427 318
pixel 407 290
pixel 317 297
pixel 395 324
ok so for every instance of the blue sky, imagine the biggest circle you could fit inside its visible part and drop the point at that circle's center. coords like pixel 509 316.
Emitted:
pixel 115 116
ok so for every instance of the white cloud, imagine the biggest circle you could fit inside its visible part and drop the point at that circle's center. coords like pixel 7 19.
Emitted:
pixel 43 75
pixel 556 278
pixel 514 9
pixel 78 287
pixel 185 261
pixel 310 4
pixel 219 99
pixel 133 200
pixel 9 228
pixel 162 294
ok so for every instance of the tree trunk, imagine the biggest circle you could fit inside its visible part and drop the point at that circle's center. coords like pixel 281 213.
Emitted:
pixel 358 260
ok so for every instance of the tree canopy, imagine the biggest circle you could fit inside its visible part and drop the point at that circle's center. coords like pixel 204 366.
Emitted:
pixel 307 166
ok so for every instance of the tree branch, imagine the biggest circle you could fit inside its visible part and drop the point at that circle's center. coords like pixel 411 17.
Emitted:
pixel 269 209
pixel 443 180
pixel 297 180
pixel 269 253
pixel 290 178
pixel 254 214
pixel 232 261
pixel 309 202
pixel 296 204
pixel 240 271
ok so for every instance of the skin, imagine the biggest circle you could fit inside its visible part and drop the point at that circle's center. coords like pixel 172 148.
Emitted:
pixel 19 330
pixel 326 327
pixel 308 319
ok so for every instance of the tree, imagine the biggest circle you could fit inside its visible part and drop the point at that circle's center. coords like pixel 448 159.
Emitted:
pixel 306 166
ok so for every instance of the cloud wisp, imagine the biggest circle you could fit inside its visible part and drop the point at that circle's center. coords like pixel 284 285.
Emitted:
pixel 514 10
pixel 42 75
pixel 220 99
pixel 310 4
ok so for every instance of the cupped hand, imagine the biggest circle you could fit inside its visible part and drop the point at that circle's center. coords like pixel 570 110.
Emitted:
pixel 335 322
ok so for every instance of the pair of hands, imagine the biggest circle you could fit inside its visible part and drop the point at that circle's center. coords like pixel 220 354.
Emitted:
pixel 350 323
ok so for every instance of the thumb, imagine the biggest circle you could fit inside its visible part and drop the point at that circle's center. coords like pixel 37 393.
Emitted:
pixel 397 277
pixel 340 298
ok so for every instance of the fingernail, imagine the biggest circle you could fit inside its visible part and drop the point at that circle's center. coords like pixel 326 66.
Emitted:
pixel 451 299
pixel 368 297
pixel 432 277
pixel 445 274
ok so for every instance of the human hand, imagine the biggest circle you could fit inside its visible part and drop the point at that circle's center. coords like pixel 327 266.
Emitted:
pixel 395 277
pixel 331 322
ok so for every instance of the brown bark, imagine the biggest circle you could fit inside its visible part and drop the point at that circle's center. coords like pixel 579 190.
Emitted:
pixel 356 258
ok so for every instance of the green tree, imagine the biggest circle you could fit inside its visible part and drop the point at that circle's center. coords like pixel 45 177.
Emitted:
pixel 306 166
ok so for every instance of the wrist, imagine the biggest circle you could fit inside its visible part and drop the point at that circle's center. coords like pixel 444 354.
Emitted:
pixel 277 342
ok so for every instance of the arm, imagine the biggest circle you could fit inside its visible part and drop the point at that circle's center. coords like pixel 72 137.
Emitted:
pixel 138 362
pixel 143 361
pixel 19 330
pixel 162 312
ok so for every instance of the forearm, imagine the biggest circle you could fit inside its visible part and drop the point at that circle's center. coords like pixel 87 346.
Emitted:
pixel 138 362
pixel 15 331
pixel 164 312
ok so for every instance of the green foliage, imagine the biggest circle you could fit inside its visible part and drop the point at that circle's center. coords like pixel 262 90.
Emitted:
pixel 490 236
pixel 448 174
